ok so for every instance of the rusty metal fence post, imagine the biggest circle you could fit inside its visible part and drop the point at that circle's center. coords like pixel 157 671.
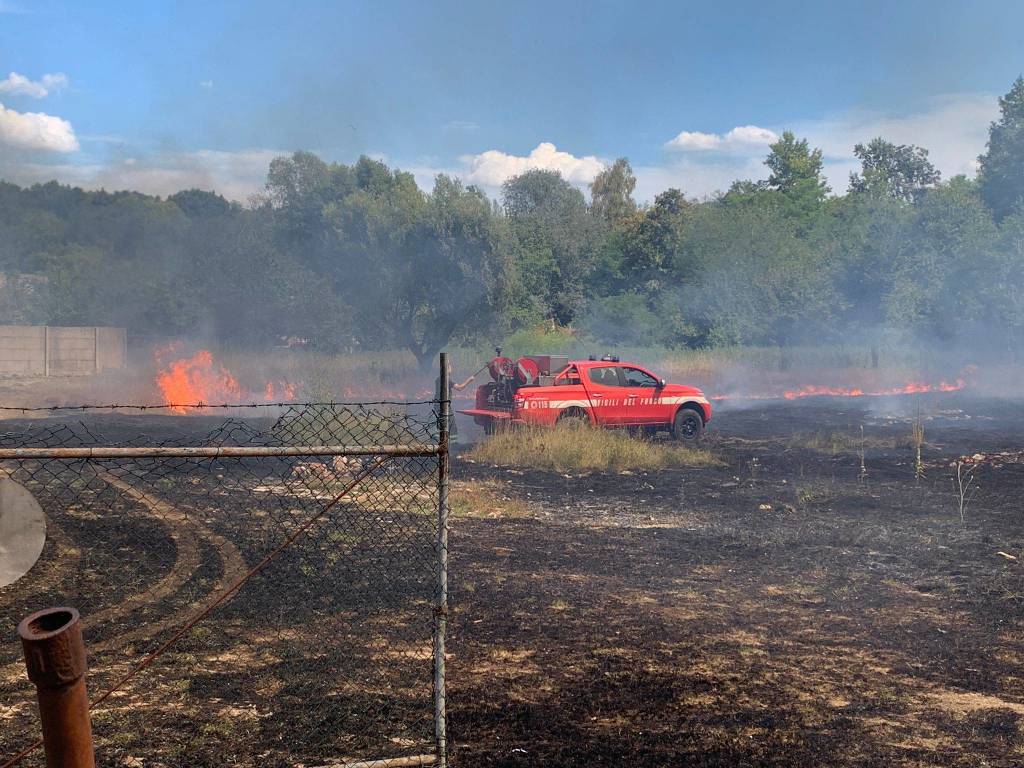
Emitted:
pixel 441 609
pixel 55 658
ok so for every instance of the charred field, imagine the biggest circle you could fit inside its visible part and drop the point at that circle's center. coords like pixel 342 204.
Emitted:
pixel 810 602
pixel 801 606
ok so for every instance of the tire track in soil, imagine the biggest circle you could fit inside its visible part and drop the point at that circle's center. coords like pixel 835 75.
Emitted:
pixel 54 569
pixel 186 532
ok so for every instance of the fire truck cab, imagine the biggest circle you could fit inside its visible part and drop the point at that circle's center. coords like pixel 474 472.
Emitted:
pixel 543 390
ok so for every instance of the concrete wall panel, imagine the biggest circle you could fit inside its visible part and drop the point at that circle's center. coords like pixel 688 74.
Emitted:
pixel 35 350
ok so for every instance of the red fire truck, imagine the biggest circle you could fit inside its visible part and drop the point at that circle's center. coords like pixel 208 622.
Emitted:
pixel 547 389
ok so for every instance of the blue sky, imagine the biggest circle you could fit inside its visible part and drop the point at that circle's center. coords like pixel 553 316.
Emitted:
pixel 157 96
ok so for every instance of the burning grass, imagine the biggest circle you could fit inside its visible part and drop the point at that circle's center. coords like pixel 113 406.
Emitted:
pixel 581 448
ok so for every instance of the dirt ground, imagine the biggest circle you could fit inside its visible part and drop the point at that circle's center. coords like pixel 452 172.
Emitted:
pixel 790 610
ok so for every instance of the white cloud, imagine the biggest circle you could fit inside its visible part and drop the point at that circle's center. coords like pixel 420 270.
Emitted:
pixel 236 175
pixel 36 131
pixel 694 140
pixel 19 85
pixel 742 137
pixel 491 168
pixel 751 134
pixel 206 84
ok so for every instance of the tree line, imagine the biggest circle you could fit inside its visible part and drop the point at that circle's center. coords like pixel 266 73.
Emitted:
pixel 358 256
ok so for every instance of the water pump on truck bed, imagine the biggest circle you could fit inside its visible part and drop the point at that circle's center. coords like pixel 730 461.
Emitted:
pixel 507 376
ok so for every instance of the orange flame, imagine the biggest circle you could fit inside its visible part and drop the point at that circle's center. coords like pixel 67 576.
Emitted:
pixel 910 388
pixel 813 390
pixel 282 392
pixel 199 380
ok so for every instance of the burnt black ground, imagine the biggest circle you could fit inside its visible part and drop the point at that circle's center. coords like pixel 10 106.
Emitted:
pixel 781 611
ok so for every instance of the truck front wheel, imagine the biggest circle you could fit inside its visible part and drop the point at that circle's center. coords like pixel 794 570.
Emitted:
pixel 688 425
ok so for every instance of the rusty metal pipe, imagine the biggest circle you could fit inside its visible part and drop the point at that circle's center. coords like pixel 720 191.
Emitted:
pixel 55 658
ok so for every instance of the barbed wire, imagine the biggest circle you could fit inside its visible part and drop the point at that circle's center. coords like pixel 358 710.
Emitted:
pixel 209 406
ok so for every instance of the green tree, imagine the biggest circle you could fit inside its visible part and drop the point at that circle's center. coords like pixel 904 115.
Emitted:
pixel 196 203
pixel 1008 298
pixel 452 277
pixel 1001 168
pixel 899 171
pixel 796 169
pixel 944 276
pixel 79 286
pixel 867 235
pixel 746 277
pixel 796 173
pixel 647 246
pixel 611 192
pixel 297 189
pixel 553 239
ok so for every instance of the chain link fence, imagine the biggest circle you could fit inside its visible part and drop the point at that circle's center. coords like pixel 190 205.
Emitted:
pixel 310 541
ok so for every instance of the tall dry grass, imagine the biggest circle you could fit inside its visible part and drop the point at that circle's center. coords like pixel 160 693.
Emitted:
pixel 570 447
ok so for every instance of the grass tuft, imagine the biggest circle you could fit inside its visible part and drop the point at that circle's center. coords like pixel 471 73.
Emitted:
pixel 582 448
pixel 836 442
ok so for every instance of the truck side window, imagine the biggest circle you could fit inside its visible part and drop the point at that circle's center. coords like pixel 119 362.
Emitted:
pixel 605 376
pixel 634 377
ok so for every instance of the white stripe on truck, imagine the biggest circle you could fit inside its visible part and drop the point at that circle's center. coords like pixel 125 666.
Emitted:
pixel 530 403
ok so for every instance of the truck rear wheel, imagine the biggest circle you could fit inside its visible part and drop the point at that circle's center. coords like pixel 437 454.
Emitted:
pixel 688 425
pixel 575 417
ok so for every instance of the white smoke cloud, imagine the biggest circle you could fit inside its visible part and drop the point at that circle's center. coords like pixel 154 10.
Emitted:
pixel 697 176
pixel 491 168
pixel 36 131
pixel 235 175
pixel 953 128
pixel 742 137
pixel 19 85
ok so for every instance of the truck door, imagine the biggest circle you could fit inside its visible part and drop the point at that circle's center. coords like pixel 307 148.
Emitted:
pixel 644 403
pixel 605 394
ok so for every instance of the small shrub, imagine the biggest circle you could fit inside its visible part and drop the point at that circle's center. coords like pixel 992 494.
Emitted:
pixel 583 448
pixel 815 493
